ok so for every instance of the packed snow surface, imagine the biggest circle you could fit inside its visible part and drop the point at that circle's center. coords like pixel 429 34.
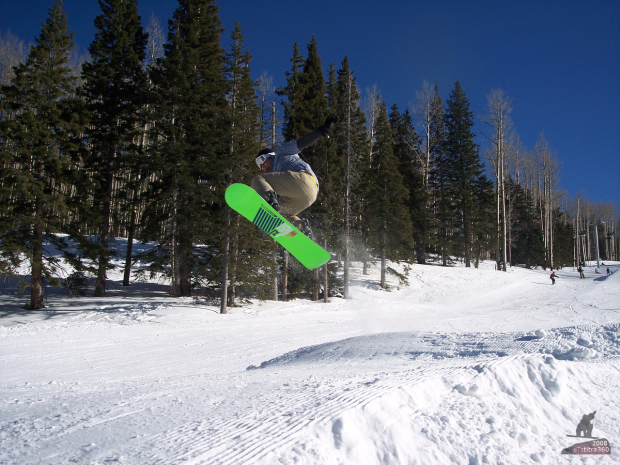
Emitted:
pixel 460 366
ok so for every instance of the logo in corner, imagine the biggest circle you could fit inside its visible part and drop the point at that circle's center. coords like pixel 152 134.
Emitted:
pixel 596 446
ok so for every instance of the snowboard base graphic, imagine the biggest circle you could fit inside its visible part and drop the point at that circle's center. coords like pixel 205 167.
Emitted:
pixel 244 200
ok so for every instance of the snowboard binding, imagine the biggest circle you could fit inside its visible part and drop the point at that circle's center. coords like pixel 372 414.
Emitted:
pixel 272 199
pixel 305 229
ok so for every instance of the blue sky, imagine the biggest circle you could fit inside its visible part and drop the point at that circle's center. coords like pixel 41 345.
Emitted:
pixel 559 61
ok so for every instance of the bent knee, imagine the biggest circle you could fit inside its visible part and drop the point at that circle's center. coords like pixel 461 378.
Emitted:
pixel 260 185
pixel 257 181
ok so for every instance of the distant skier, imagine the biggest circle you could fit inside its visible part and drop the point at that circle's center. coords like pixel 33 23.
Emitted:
pixel 608 272
pixel 553 276
pixel 289 185
pixel 581 275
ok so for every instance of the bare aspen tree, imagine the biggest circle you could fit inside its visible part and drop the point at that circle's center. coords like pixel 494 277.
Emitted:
pixel 325 278
pixel 611 228
pixel 155 44
pixel 606 217
pixel 265 98
pixel 285 276
pixel 274 289
pixel 274 123
pixel 516 155
pixel 269 121
pixel 425 109
pixel 549 169
pixel 499 123
pixel 12 53
pixel 428 109
pixel 347 194
pixel 76 60
pixel 577 234
pixel 515 160
pixel 370 107
pixel 265 94
pixel 225 252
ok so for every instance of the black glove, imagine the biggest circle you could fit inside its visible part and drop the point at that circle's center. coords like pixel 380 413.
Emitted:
pixel 329 123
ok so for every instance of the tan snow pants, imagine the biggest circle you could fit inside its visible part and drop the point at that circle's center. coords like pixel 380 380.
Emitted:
pixel 297 191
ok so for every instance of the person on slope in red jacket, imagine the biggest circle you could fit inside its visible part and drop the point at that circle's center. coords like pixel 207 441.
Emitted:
pixel 553 276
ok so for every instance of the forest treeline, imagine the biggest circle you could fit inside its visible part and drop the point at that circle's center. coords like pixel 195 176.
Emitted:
pixel 139 137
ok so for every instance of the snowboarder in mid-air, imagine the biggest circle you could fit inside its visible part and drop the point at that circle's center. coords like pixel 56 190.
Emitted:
pixel 289 185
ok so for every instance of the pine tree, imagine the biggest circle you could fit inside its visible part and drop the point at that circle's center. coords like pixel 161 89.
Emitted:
pixel 527 239
pixel 441 201
pixel 341 169
pixel 115 89
pixel 293 96
pixel 249 249
pixel 306 105
pixel 483 223
pixel 330 168
pixel 563 235
pixel 464 169
pixel 36 152
pixel 386 210
pixel 406 150
pixel 192 130
pixel 305 109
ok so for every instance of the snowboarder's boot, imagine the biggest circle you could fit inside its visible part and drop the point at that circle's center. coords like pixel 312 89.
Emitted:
pixel 272 199
pixel 305 229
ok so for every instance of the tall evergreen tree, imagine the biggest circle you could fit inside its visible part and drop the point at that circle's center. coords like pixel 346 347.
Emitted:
pixel 563 241
pixel 292 94
pixel 115 89
pixel 248 248
pixel 464 169
pixel 341 175
pixel 192 130
pixel 292 97
pixel 329 167
pixel 406 150
pixel 372 105
pixel 527 240
pixel 441 201
pixel 483 224
pixel 36 148
pixel 305 109
pixel 386 211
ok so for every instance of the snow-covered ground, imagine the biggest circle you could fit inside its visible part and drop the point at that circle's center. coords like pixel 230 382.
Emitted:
pixel 463 366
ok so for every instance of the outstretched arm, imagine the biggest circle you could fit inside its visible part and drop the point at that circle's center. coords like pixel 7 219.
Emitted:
pixel 323 131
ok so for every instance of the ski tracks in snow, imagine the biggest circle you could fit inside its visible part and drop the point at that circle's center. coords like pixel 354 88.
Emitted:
pixel 254 435
pixel 283 412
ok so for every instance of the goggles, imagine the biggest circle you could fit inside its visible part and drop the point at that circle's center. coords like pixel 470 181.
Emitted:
pixel 263 158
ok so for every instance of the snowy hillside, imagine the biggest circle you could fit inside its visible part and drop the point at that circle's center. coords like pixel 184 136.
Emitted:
pixel 463 366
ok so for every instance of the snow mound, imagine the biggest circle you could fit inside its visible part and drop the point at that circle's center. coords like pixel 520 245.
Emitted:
pixel 513 411
pixel 572 343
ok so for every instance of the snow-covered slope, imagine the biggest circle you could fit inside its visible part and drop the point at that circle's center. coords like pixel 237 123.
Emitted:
pixel 462 366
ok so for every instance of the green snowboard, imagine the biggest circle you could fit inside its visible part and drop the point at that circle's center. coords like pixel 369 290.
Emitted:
pixel 244 200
